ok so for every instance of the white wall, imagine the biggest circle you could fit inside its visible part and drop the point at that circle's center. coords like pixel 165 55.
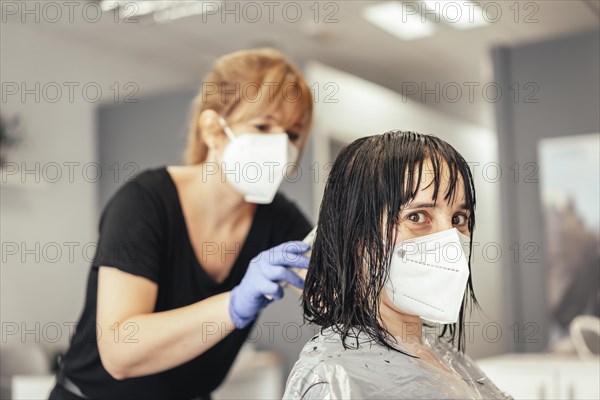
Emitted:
pixel 364 109
pixel 50 291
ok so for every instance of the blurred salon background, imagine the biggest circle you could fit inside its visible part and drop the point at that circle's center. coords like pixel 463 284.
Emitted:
pixel 94 92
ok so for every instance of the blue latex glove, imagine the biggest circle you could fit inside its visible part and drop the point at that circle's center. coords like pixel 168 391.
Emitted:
pixel 264 271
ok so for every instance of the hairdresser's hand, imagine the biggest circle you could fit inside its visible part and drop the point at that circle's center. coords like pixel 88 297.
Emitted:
pixel 261 278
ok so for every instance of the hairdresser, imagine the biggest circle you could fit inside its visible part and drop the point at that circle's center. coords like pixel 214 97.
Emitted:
pixel 189 255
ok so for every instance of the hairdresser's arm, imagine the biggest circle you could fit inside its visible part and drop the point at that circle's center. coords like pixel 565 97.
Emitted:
pixel 135 341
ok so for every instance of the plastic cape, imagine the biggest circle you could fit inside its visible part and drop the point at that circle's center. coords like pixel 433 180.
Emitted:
pixel 325 370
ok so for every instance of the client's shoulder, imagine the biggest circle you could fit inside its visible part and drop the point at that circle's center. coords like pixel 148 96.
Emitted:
pixel 333 365
pixel 331 347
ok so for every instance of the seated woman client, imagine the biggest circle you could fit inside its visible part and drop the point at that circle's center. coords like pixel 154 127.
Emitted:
pixel 392 250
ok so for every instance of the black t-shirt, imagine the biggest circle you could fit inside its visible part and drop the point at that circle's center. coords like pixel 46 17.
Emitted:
pixel 143 232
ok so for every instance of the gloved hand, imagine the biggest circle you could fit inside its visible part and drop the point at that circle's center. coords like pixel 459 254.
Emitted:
pixel 264 271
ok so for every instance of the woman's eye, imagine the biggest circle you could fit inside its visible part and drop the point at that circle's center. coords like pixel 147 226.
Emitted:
pixel 459 219
pixel 262 127
pixel 417 218
pixel 293 136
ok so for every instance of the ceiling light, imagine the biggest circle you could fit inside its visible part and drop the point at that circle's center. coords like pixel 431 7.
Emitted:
pixel 158 11
pixel 396 18
pixel 458 14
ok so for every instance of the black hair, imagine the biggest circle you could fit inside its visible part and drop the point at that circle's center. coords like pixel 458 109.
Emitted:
pixel 370 181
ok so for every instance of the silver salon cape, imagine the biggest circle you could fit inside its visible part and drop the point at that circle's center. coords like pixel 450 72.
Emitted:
pixel 325 370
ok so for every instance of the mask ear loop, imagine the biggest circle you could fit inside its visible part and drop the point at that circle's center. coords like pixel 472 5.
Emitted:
pixel 226 128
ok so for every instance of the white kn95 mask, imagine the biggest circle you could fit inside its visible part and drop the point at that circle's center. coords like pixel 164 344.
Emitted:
pixel 428 275
pixel 256 163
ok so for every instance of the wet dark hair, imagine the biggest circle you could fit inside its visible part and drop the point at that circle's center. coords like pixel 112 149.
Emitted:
pixel 370 181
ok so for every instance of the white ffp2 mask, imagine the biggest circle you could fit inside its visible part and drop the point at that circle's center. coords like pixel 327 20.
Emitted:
pixel 256 163
pixel 428 275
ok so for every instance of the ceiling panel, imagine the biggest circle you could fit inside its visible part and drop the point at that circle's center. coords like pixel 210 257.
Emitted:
pixel 189 45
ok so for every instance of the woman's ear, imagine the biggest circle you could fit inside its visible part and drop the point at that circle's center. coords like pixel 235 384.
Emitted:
pixel 210 129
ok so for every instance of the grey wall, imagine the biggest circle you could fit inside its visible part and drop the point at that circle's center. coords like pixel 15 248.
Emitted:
pixel 567 73
pixel 136 136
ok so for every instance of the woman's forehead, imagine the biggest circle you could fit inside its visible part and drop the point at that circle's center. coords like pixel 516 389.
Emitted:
pixel 444 177
pixel 285 113
pixel 427 195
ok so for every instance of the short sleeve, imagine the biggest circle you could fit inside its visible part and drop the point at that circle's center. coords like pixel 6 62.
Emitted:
pixel 131 237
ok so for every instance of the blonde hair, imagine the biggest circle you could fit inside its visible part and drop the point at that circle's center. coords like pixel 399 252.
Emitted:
pixel 260 77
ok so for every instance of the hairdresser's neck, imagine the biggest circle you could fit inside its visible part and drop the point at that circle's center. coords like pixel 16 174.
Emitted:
pixel 405 327
pixel 221 203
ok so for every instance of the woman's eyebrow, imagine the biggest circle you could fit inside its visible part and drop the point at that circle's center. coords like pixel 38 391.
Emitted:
pixel 432 205
pixel 420 205
pixel 271 117
pixel 296 125
pixel 276 120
